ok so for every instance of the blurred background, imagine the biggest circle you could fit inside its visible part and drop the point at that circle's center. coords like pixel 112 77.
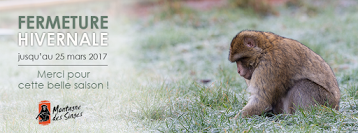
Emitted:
pixel 167 64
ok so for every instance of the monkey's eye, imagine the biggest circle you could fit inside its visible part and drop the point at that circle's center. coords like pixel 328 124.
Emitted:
pixel 242 59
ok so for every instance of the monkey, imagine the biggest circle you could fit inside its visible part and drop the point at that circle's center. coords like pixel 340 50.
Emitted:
pixel 44 114
pixel 282 74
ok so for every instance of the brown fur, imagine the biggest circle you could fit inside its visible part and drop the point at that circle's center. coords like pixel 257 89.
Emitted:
pixel 286 74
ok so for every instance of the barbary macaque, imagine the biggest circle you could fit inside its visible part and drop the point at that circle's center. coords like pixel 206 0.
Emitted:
pixel 282 74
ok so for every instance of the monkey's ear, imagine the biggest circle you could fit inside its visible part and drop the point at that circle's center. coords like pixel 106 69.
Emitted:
pixel 249 42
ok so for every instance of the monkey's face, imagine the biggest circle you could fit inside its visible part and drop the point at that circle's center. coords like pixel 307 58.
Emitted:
pixel 44 107
pixel 244 71
pixel 245 51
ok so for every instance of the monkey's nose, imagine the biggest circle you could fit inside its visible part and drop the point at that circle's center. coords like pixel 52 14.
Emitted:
pixel 240 73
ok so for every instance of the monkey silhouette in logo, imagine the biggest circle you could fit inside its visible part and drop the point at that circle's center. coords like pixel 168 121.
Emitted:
pixel 44 114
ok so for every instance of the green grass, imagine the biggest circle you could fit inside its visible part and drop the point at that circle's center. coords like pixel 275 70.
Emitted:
pixel 156 65
pixel 191 106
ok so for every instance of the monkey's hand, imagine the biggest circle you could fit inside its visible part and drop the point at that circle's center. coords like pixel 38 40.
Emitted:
pixel 255 106
pixel 237 115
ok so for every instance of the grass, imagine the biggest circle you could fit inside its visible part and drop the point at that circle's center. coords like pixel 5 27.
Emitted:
pixel 156 65
pixel 209 107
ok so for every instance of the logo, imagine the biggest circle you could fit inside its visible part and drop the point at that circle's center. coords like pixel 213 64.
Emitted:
pixel 44 112
pixel 58 112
